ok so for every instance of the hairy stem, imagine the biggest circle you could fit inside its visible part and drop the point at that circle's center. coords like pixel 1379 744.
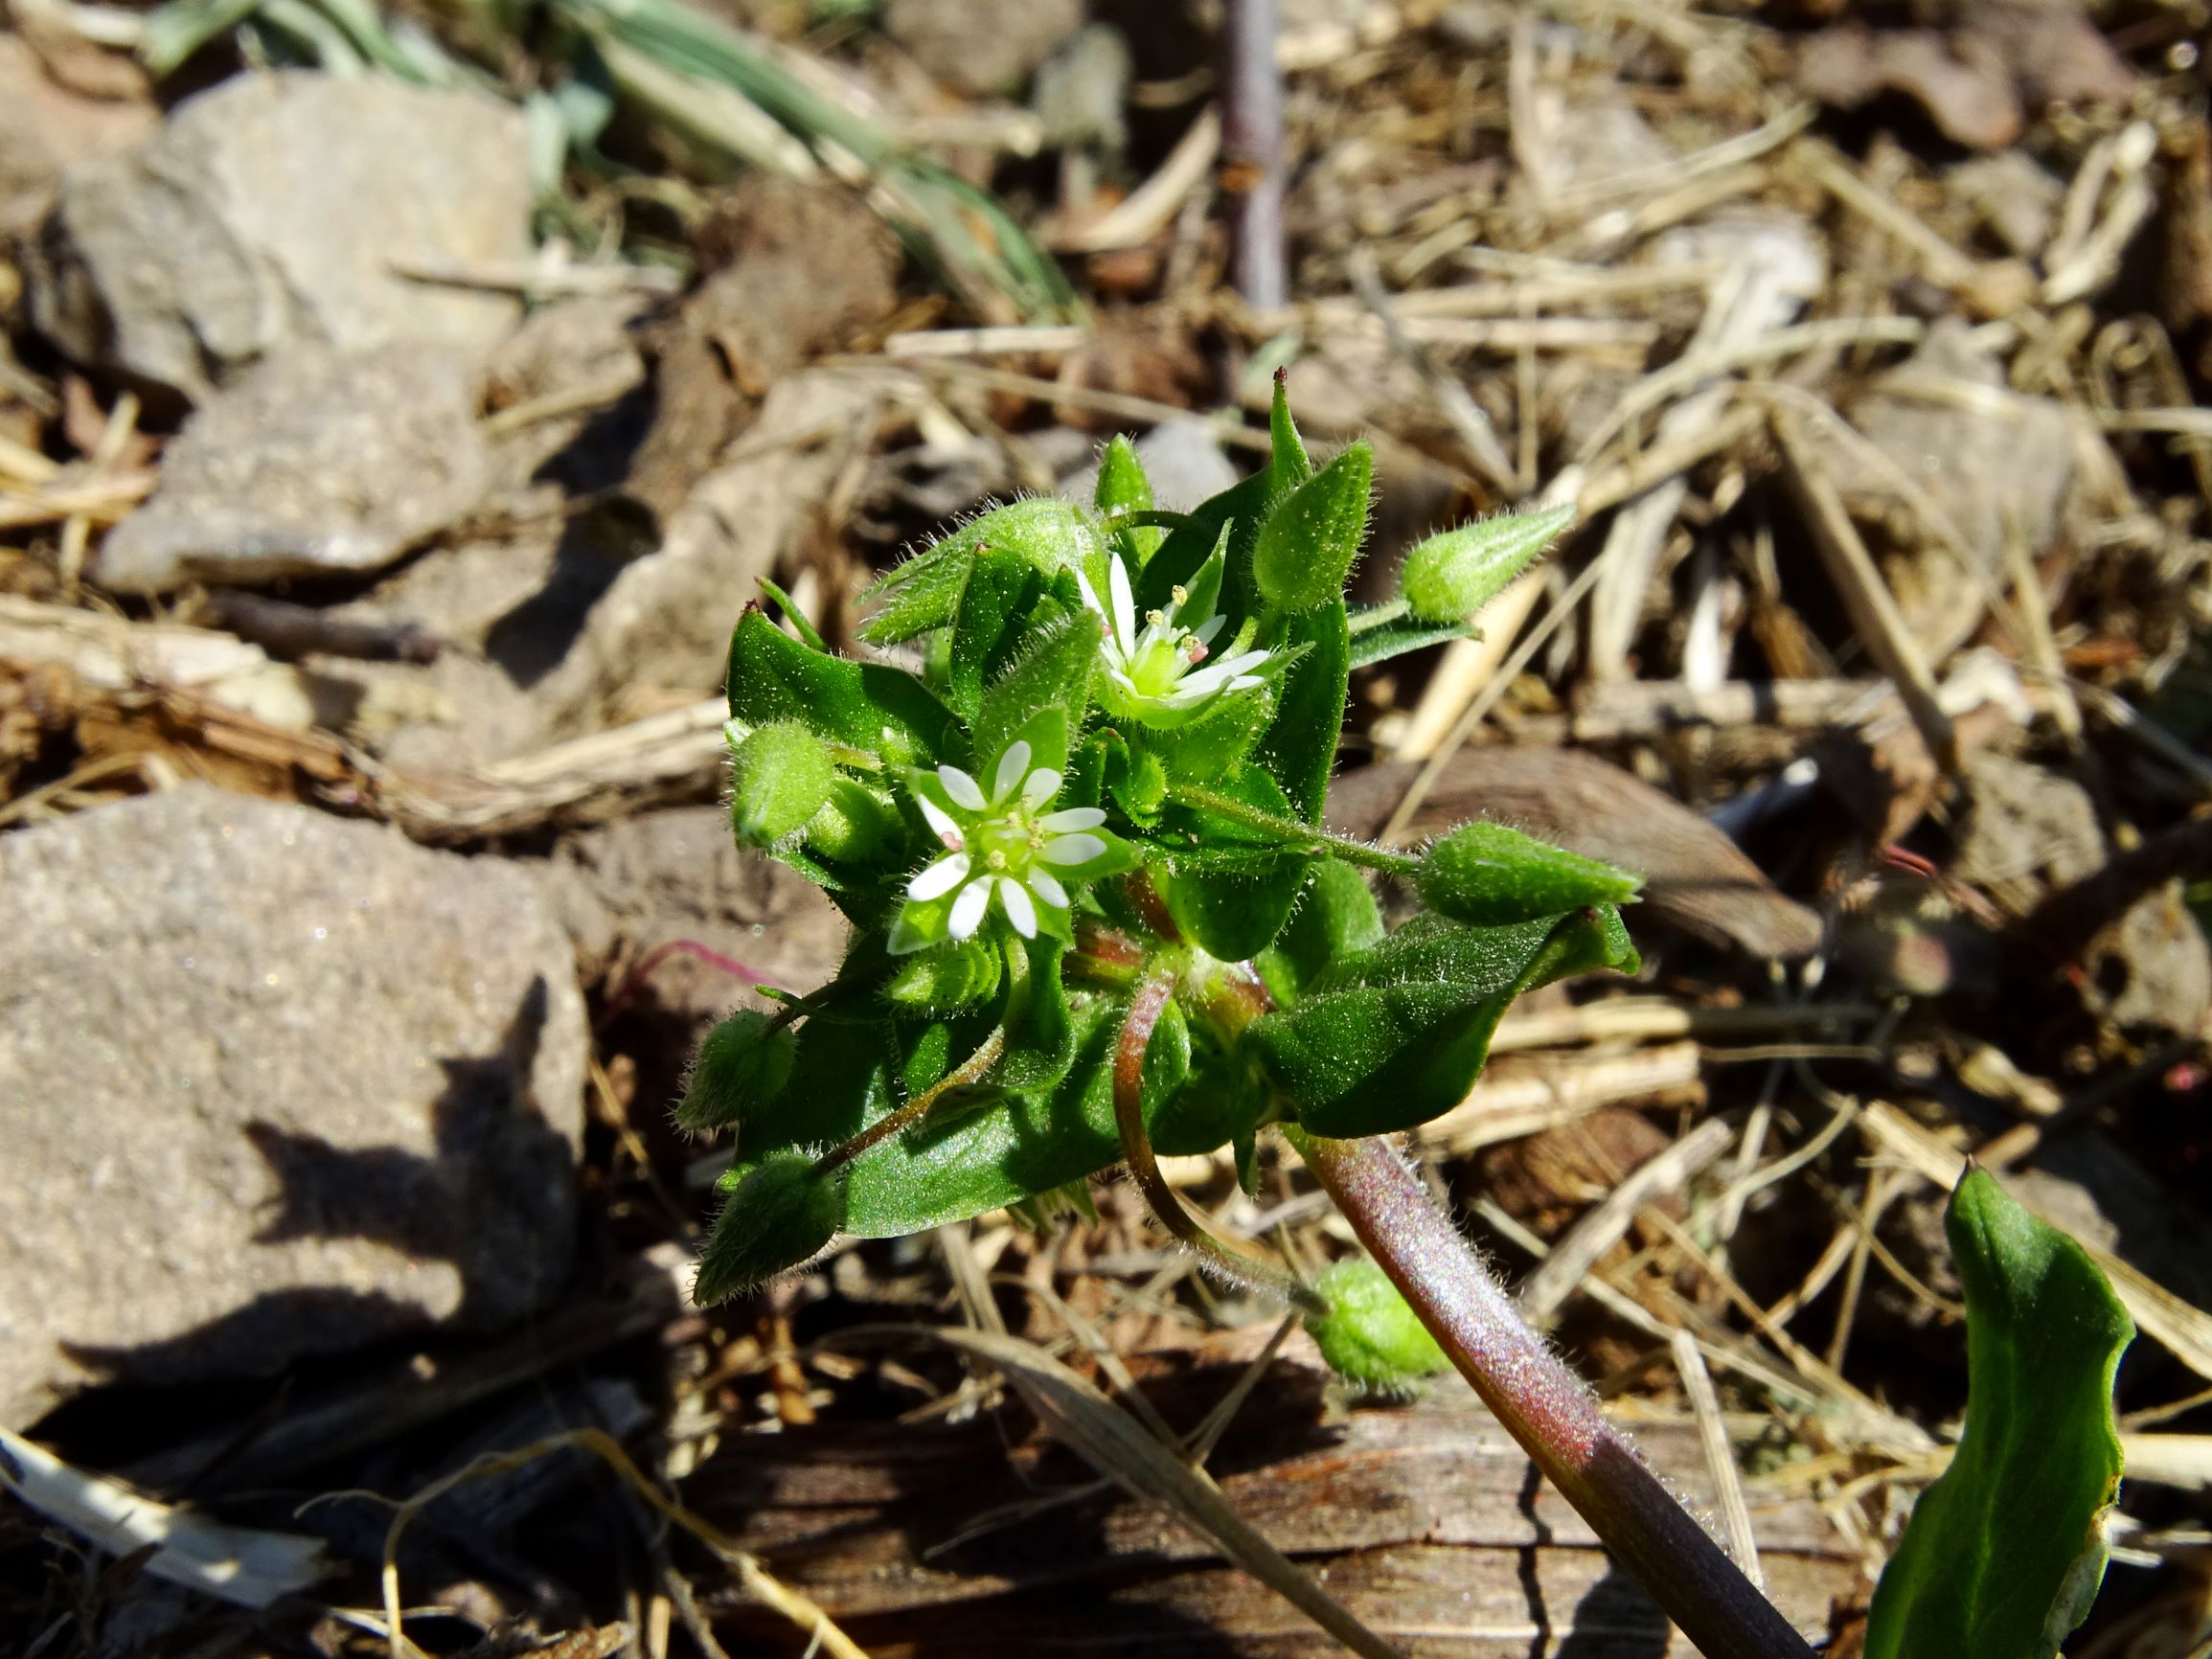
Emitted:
pixel 968 1071
pixel 1291 830
pixel 1543 1404
pixel 1233 1262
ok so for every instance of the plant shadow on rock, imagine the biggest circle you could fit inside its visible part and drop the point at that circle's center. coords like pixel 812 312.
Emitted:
pixel 478 1201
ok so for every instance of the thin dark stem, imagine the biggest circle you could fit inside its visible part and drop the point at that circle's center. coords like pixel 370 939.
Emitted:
pixel 1292 830
pixel 968 1071
pixel 1233 1262
pixel 1543 1404
pixel 1252 152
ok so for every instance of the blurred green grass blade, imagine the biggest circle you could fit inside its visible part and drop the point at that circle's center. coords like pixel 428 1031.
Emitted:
pixel 945 211
pixel 174 32
pixel 2005 1554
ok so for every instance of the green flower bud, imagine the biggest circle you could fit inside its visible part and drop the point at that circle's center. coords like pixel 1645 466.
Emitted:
pixel 779 777
pixel 740 1064
pixel 1121 484
pixel 1451 577
pixel 1369 1335
pixel 854 822
pixel 953 975
pixel 780 1213
pixel 1307 547
pixel 1492 876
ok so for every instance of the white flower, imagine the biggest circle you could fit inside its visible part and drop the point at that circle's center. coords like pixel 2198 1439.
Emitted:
pixel 999 848
pixel 1153 673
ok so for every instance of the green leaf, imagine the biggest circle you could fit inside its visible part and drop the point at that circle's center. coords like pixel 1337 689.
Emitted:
pixel 1492 876
pixel 1229 889
pixel 869 706
pixel 1369 1335
pixel 1218 741
pixel 781 775
pixel 1308 545
pixel 1300 747
pixel 779 1213
pixel 1451 577
pixel 1384 641
pixel 1000 604
pixel 1397 1035
pixel 1054 672
pixel 1049 535
pixel 1336 918
pixel 2005 1554
pixel 1124 488
pixel 1288 465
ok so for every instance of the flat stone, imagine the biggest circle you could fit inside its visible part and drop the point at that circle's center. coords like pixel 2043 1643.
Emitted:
pixel 982 46
pixel 46 128
pixel 280 208
pixel 314 461
pixel 272 1083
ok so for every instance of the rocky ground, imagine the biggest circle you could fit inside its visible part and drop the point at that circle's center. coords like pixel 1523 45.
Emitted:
pixel 395 410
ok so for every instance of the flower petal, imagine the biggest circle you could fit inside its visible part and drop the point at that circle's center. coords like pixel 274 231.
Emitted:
pixel 1072 850
pixel 1090 598
pixel 1042 786
pixel 1125 602
pixel 940 879
pixel 1012 767
pixel 1046 886
pixel 1243 662
pixel 968 908
pixel 1072 818
pixel 1246 682
pixel 1205 631
pixel 964 789
pixel 1019 909
pixel 940 821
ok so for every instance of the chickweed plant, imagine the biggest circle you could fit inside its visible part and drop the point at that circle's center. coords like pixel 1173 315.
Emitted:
pixel 1095 919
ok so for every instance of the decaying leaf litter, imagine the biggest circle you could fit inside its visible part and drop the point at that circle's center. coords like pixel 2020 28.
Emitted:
pixel 1871 349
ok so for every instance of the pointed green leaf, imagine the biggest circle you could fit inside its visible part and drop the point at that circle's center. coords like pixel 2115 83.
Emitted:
pixel 1288 465
pixel 1384 641
pixel 1054 672
pixel 1451 577
pixel 1049 535
pixel 1396 1036
pixel 997 609
pixel 1492 876
pixel 2005 1554
pixel 869 706
pixel 1307 546
pixel 1229 888
pixel 1300 747
pixel 1124 488
pixel 1336 918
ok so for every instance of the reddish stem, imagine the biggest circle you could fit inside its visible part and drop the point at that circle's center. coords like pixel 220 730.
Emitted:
pixel 1543 1405
pixel 635 979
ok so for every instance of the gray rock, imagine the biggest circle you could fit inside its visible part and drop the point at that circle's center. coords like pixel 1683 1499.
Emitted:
pixel 982 46
pixel 1184 459
pixel 271 1083
pixel 45 129
pixel 626 888
pixel 275 209
pixel 1082 89
pixel 313 461
pixel 1992 474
